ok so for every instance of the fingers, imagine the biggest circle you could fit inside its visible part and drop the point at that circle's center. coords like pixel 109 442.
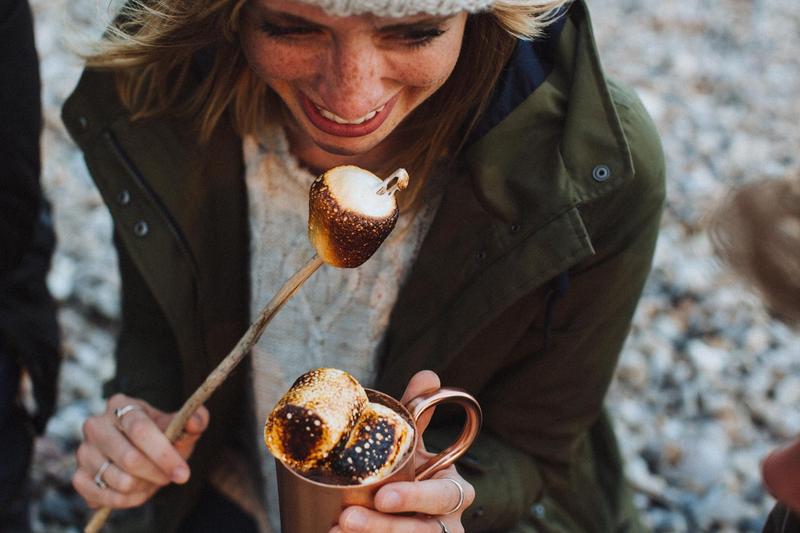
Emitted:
pixel 436 496
pixel 91 460
pixel 193 430
pixel 141 458
pixel 147 449
pixel 420 383
pixel 431 500
pixel 100 432
pixel 361 520
pixel 84 484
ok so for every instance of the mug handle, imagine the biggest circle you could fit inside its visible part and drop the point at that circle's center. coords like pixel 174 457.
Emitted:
pixel 472 426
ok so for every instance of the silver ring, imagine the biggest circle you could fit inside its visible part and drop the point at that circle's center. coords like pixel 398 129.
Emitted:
pixel 460 496
pixel 98 477
pixel 119 412
pixel 444 527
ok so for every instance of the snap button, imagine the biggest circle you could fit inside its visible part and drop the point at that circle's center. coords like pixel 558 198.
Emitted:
pixel 140 229
pixel 124 197
pixel 480 256
pixel 83 123
pixel 601 173
pixel 538 510
pixel 514 228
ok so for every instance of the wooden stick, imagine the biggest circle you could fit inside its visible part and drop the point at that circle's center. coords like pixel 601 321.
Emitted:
pixel 225 367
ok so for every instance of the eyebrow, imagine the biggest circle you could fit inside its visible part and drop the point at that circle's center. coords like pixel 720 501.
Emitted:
pixel 289 18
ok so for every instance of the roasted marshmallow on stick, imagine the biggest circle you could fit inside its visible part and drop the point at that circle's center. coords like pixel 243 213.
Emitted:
pixel 324 424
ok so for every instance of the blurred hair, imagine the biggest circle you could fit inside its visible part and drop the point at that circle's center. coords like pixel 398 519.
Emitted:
pixel 154 42
pixel 757 232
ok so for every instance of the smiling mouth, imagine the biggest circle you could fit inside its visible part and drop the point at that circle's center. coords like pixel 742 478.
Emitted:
pixel 339 120
pixel 329 122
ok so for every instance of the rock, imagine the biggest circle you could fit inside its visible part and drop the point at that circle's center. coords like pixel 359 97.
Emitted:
pixel 666 521
pixel 709 360
pixel 722 508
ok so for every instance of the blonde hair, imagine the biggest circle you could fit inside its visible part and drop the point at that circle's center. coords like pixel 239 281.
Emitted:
pixel 757 232
pixel 153 44
pixel 526 19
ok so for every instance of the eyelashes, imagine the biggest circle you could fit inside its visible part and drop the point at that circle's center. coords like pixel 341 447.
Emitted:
pixel 278 31
pixel 420 38
pixel 411 38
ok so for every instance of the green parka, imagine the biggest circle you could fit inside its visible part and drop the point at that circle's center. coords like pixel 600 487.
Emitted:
pixel 572 181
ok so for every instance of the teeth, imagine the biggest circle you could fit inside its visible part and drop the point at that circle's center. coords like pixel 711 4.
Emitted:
pixel 339 120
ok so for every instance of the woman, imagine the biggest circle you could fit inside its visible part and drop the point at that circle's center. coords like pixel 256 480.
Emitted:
pixel 513 273
pixel 757 231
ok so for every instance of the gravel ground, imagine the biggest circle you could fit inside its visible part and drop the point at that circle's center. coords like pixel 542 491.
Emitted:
pixel 707 383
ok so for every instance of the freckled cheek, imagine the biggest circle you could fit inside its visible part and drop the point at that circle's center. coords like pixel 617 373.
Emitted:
pixel 428 72
pixel 270 64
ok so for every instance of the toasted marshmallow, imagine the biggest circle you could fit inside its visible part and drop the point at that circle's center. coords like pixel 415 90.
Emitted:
pixel 350 215
pixel 377 444
pixel 314 417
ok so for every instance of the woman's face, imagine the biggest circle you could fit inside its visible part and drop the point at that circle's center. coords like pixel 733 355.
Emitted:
pixel 348 81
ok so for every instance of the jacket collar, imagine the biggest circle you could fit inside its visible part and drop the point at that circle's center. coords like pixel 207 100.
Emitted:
pixel 581 149
pixel 529 65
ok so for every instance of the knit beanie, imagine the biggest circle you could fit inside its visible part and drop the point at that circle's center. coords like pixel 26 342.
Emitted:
pixel 399 8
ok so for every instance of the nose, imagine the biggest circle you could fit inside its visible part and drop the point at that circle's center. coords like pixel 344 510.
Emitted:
pixel 352 82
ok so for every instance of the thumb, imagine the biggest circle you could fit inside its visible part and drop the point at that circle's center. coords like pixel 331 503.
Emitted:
pixel 422 382
pixel 192 431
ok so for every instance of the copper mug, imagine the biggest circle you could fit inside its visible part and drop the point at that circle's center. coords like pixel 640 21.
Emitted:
pixel 309 506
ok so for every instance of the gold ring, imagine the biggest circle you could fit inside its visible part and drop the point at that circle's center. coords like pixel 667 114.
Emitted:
pixel 98 477
pixel 460 496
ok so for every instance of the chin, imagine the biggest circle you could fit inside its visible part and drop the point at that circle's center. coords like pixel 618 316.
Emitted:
pixel 347 147
pixel 339 150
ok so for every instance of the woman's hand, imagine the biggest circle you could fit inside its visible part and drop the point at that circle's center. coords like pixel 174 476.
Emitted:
pixel 435 501
pixel 125 457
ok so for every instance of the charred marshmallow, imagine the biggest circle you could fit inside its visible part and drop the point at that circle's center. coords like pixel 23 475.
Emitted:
pixel 351 212
pixel 316 414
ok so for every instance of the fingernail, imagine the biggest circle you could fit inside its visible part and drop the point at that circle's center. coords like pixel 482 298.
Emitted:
pixel 390 500
pixel 180 474
pixel 356 521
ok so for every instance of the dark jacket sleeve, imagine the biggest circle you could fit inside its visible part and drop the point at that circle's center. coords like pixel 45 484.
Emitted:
pixel 542 405
pixel 28 329
pixel 19 133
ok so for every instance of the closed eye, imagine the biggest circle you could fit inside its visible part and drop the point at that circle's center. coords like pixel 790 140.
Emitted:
pixel 286 31
pixel 416 38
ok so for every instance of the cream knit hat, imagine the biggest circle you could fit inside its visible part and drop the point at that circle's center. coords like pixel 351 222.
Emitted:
pixel 398 8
